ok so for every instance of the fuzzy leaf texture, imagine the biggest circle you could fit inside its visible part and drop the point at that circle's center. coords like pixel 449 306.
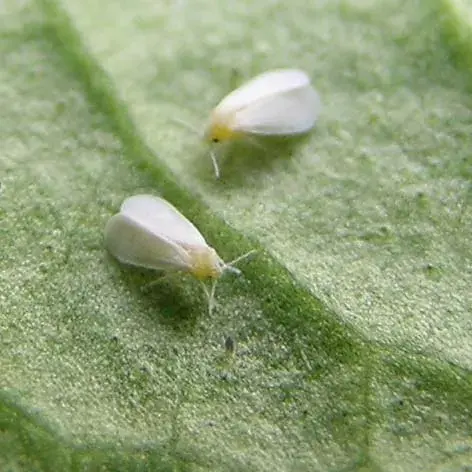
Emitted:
pixel 347 343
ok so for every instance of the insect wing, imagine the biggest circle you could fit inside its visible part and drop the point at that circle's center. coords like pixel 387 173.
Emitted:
pixel 264 85
pixel 291 112
pixel 132 243
pixel 162 219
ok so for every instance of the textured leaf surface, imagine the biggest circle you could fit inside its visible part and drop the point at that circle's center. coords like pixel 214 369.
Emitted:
pixel 352 325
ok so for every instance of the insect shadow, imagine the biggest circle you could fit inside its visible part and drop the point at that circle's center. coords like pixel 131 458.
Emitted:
pixel 249 156
pixel 172 299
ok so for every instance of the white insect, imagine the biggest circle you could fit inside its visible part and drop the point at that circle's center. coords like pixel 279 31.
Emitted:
pixel 149 232
pixel 278 102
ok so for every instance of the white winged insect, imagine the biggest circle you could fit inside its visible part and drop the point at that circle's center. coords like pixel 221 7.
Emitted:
pixel 149 232
pixel 278 102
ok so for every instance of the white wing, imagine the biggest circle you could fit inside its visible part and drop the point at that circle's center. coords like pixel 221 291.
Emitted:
pixel 160 218
pixel 291 112
pixel 263 86
pixel 131 243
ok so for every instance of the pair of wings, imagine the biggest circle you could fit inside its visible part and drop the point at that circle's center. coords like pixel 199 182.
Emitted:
pixel 149 232
pixel 280 102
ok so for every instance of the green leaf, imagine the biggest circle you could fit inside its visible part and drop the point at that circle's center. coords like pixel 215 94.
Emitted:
pixel 351 326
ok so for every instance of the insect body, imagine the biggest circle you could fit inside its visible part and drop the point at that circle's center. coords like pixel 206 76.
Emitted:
pixel 149 232
pixel 279 102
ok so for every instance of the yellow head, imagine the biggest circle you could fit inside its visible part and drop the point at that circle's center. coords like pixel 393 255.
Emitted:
pixel 219 128
pixel 206 264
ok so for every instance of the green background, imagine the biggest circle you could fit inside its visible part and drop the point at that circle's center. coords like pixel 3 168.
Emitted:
pixel 353 323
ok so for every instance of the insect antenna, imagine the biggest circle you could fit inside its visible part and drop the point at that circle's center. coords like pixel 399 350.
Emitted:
pixel 230 265
pixel 195 130
pixel 185 124
pixel 215 163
